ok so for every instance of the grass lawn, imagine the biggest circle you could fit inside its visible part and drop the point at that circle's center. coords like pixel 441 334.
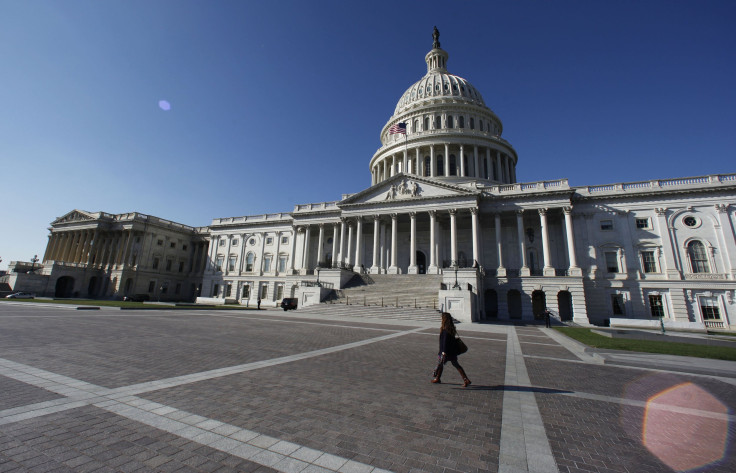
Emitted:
pixel 584 335
pixel 126 304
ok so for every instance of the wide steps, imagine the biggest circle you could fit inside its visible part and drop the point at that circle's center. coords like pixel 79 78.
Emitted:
pixel 357 311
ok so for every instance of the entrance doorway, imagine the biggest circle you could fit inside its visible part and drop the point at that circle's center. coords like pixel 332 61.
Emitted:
pixel 421 262
pixel 539 304
pixel 514 303
pixel 491 304
pixel 64 287
pixel 564 302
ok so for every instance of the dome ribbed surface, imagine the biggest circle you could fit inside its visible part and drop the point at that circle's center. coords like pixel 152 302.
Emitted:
pixel 439 85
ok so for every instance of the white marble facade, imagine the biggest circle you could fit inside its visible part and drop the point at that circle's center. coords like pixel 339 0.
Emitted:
pixel 443 196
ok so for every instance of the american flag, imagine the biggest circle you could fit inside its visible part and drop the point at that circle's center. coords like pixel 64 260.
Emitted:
pixel 399 128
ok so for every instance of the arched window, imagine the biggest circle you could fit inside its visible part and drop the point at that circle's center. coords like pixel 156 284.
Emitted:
pixel 249 260
pixel 440 166
pixel 698 257
pixel 426 123
pixel 461 122
pixel 438 122
pixel 416 126
pixel 427 166
pixel 450 122
pixel 480 125
pixel 472 123
pixel 453 166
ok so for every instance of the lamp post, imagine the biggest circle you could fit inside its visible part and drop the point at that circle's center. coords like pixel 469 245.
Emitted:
pixel 34 260
pixel 456 286
pixel 318 284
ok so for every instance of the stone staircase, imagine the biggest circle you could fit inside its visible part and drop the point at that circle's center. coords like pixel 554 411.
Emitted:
pixel 391 313
pixel 395 296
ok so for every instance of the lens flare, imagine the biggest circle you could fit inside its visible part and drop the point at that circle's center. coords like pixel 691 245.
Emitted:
pixel 685 427
pixel 164 105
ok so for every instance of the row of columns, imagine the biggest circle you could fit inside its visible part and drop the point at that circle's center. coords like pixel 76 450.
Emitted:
pixel 343 253
pixel 495 165
pixel 95 248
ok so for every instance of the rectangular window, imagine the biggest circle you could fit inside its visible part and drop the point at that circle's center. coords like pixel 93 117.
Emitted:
pixel 656 306
pixel 611 261
pixel 177 290
pixel 282 263
pixel 264 291
pixel 606 225
pixel 151 286
pixel 284 240
pixel 246 291
pixel 173 245
pixel 649 261
pixel 642 223
pixel 222 242
pixel 218 262
pixel 267 263
pixel 168 265
pixel 215 290
pixel 228 289
pixel 231 263
pixel 155 263
pixel 279 292
pixel 709 308
pixel 184 248
pixel 269 240
pixel 181 266
pixel 617 304
pixel 164 288
pixel 160 243
pixel 235 242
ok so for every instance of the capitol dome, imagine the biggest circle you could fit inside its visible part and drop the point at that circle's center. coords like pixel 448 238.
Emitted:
pixel 442 128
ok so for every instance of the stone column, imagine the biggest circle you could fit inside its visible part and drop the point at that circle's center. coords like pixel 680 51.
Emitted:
pixel 476 169
pixel 226 259
pixel 394 269
pixel 406 161
pixel 334 245
pixel 474 230
pixel 49 246
pixel 447 160
pixel 382 263
pixel 78 247
pixel 432 242
pixel 341 258
pixel 432 162
pixel 385 168
pixel 413 243
pixel 669 253
pixel 305 253
pixel 727 233
pixel 320 242
pixel 292 250
pixel 574 270
pixel 453 237
pixel 548 269
pixel 120 248
pixel 348 260
pixel 419 171
pixel 488 164
pixel 359 243
pixel 93 247
pixel 524 270
pixel 501 270
pixel 243 245
pixel 463 171
pixel 84 256
pixel 497 166
pixel 376 233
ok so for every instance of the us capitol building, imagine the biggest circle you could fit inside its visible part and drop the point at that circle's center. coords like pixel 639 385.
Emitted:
pixel 445 212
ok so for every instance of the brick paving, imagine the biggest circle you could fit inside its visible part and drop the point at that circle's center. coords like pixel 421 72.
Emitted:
pixel 126 391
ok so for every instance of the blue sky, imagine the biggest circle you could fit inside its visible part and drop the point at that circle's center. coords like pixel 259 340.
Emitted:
pixel 279 103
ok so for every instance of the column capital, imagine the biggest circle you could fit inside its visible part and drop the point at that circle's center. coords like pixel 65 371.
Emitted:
pixel 721 208
pixel 432 213
pixel 452 211
pixel 474 210
pixel 661 211
pixel 542 211
pixel 394 216
pixel 567 210
pixel 321 225
pixel 376 218
pixel 412 214
pixel 520 212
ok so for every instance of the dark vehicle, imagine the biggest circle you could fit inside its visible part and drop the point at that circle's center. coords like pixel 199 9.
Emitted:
pixel 289 303
pixel 27 295
pixel 137 298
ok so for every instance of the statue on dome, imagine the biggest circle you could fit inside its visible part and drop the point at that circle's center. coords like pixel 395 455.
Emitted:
pixel 436 38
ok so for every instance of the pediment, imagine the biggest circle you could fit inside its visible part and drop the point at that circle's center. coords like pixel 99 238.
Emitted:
pixel 408 188
pixel 74 216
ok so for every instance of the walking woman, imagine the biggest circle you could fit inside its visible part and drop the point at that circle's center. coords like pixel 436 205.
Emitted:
pixel 448 350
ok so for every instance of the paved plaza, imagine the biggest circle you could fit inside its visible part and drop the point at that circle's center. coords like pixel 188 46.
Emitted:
pixel 258 391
